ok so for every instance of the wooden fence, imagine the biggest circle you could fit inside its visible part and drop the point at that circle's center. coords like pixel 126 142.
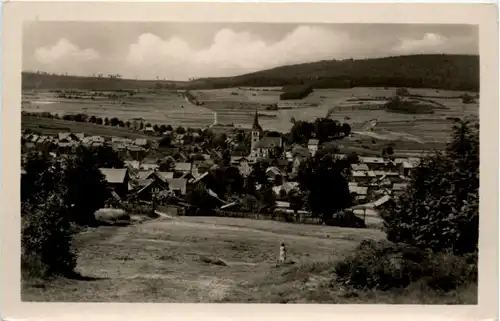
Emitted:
pixel 276 216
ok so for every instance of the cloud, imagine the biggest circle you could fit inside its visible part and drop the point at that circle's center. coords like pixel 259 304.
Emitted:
pixel 64 50
pixel 232 53
pixel 228 52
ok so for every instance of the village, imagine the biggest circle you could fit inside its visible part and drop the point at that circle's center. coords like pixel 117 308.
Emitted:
pixel 164 175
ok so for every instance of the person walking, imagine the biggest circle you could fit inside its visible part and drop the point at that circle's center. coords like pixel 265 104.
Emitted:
pixel 282 254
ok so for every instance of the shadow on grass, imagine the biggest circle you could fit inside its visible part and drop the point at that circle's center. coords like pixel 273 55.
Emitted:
pixel 79 277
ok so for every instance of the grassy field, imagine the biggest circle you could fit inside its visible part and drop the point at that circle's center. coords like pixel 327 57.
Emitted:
pixel 176 260
pixel 238 105
pixel 47 126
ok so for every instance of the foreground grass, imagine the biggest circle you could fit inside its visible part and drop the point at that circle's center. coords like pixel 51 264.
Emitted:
pixel 217 260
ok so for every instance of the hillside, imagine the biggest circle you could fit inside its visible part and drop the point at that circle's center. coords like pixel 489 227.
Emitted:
pixel 454 72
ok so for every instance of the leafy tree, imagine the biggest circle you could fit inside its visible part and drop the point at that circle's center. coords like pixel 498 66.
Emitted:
pixel 168 128
pixel 327 187
pixel 100 156
pixel 106 121
pixel 180 130
pixel 46 235
pixel 92 119
pixel 141 125
pixel 440 208
pixel 99 121
pixel 86 189
pixel 114 121
pixel 165 141
pixel 346 128
pixel 203 204
pixel 296 200
pixel 128 124
pixel 162 128
pixel 156 128
pixel 301 132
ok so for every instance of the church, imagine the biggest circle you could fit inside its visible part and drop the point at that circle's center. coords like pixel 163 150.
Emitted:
pixel 262 147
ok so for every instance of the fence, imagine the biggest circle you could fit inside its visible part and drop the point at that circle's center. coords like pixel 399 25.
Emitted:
pixel 276 216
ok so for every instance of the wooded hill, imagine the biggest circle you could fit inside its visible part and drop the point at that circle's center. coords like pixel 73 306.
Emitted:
pixel 453 72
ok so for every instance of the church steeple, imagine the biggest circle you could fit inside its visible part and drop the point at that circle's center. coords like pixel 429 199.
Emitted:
pixel 256 126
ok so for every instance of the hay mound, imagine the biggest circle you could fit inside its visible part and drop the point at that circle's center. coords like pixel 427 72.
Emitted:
pixel 111 214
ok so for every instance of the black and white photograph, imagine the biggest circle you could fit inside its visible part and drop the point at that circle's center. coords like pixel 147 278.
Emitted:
pixel 250 162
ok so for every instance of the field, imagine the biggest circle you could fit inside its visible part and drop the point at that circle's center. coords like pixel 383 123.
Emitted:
pixel 174 260
pixel 48 126
pixel 371 126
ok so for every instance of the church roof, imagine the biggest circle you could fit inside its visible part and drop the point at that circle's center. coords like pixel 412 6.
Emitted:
pixel 256 125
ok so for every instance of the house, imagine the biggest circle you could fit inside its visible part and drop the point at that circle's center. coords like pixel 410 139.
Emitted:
pixel 408 166
pixel 165 175
pixel 374 163
pixel 360 167
pixel 399 188
pixel 274 174
pixel 265 146
pixel 143 142
pixel 182 168
pixel 178 185
pixel 149 129
pixel 117 179
pixel 132 164
pixel 285 188
pixel 313 145
pixel 363 176
pixel 149 166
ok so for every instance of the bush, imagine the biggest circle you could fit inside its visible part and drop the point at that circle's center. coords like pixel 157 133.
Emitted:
pixel 46 235
pixel 384 265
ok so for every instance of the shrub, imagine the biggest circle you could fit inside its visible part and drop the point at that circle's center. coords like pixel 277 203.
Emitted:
pixel 440 209
pixel 384 265
pixel 46 235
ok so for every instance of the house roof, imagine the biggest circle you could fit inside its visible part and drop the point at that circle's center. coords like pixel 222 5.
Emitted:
pixel 399 186
pixel 141 141
pixel 182 166
pixel 274 170
pixel 269 142
pixel 165 175
pixel 144 174
pixel 177 184
pixel 133 164
pixel 282 204
pixel 298 150
pixel 372 160
pixel 114 175
pixel 313 142
pixel 149 166
pixel 363 174
pixel 360 167
pixel 359 190
pixel 384 199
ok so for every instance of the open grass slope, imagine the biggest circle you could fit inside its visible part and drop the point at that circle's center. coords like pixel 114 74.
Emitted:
pixel 165 260
pixel 49 126
pixel 214 259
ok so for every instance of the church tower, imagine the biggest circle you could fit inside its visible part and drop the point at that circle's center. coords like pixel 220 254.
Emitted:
pixel 256 130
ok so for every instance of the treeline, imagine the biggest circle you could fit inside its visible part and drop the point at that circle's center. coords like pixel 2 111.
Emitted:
pixel 324 129
pixel 452 72
pixel 296 92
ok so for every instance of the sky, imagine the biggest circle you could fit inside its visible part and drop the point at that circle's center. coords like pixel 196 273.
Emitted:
pixel 180 51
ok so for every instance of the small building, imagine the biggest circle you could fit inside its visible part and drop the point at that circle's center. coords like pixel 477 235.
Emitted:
pixel 375 163
pixel 399 188
pixel 182 168
pixel 313 145
pixel 178 186
pixel 117 179
pixel 143 142
pixel 360 167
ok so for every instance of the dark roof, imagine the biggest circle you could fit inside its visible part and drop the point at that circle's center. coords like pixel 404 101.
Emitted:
pixel 269 142
pixel 256 125
pixel 114 175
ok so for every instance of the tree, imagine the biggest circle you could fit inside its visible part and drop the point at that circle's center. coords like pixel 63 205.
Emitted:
pixel 162 128
pixel 92 119
pixel 180 130
pixel 99 121
pixel 128 123
pixel 106 121
pixel 100 156
pixel 326 186
pixel 141 125
pixel 165 141
pixel 202 202
pixel 296 200
pixel 301 132
pixel 168 128
pixel 86 189
pixel 440 208
pixel 346 129
pixel 156 128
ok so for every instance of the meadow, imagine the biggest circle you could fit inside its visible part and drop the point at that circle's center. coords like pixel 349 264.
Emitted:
pixel 356 106
pixel 214 259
